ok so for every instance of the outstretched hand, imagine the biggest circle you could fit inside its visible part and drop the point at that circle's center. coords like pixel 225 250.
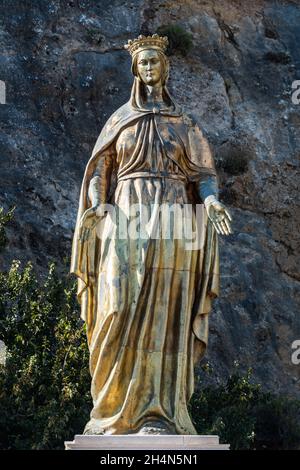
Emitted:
pixel 220 217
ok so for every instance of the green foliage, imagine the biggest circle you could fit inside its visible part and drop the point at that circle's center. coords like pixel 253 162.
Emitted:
pixel 277 422
pixel 94 36
pixel 45 382
pixel 278 57
pixel 235 163
pixel 224 410
pixel 245 416
pixel 4 219
pixel 179 40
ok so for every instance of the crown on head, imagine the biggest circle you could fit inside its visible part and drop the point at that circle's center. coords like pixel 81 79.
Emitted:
pixel 146 42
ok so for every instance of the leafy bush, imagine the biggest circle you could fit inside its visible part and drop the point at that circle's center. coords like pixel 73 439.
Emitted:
pixel 45 382
pixel 235 163
pixel 225 410
pixel 4 219
pixel 245 416
pixel 179 40
pixel 277 422
pixel 94 36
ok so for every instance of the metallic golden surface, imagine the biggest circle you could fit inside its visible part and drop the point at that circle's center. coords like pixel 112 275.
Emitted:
pixel 146 301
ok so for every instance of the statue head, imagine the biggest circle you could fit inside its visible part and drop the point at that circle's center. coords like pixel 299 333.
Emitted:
pixel 149 62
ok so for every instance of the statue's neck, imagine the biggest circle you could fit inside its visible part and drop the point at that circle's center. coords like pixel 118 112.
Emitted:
pixel 154 93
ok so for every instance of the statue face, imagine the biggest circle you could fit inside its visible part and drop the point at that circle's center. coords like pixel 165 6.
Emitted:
pixel 149 66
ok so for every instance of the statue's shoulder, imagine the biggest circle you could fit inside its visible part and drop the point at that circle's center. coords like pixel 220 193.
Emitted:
pixel 117 116
pixel 189 118
pixel 194 124
pixel 111 128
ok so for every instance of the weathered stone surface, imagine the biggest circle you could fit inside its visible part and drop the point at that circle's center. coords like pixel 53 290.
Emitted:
pixel 66 72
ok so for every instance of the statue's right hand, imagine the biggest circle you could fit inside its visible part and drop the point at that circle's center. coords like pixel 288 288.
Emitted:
pixel 88 221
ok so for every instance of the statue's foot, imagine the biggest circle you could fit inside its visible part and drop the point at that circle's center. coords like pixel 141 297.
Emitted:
pixel 93 428
pixel 155 428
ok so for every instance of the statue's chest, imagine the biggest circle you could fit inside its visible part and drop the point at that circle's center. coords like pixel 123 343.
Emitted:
pixel 153 131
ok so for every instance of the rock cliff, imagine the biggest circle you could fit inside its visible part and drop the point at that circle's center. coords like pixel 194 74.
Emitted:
pixel 65 72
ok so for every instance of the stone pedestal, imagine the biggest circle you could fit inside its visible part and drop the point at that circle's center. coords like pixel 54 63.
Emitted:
pixel 140 442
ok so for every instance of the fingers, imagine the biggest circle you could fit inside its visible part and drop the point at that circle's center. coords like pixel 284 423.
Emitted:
pixel 220 227
pixel 87 223
pixel 82 234
pixel 217 227
pixel 95 222
pixel 228 226
pixel 90 212
pixel 87 215
pixel 224 227
pixel 228 214
pixel 85 230
pixel 221 219
pixel 85 234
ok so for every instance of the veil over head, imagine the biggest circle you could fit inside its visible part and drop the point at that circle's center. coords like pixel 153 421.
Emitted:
pixel 138 88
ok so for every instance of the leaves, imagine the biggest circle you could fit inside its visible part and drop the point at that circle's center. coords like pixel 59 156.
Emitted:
pixel 45 397
pixel 180 40
pixel 4 219
pixel 246 417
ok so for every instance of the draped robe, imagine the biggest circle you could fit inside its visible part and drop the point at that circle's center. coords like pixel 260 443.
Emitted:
pixel 146 302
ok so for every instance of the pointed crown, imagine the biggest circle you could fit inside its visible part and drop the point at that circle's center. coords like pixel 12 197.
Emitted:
pixel 146 42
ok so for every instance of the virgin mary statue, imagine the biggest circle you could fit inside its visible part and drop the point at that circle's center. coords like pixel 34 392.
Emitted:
pixel 146 300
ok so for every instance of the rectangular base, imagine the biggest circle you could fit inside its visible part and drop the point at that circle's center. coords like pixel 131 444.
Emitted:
pixel 142 442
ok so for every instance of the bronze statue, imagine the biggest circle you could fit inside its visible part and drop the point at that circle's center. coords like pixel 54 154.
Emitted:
pixel 146 301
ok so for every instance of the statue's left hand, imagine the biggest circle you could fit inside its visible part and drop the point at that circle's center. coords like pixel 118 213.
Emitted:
pixel 220 217
pixel 88 221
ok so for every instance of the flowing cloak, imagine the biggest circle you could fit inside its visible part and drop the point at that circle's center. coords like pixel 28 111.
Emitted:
pixel 200 162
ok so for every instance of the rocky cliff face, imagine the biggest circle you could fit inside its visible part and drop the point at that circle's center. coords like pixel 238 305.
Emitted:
pixel 65 72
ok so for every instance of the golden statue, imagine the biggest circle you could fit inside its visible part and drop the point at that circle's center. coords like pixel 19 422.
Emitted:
pixel 146 301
